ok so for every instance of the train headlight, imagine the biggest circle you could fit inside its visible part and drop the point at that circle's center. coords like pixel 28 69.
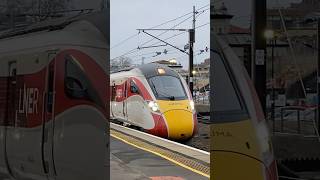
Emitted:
pixel 192 105
pixel 153 106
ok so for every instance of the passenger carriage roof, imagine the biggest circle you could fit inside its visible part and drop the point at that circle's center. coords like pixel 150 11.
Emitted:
pixel 89 30
pixel 98 19
pixel 147 70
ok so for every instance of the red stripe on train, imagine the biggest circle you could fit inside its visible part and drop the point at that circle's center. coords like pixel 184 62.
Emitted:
pixel 145 93
pixel 195 124
pixel 160 127
pixel 27 100
pixel 123 94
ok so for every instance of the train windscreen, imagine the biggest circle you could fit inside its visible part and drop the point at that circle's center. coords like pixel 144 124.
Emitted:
pixel 227 102
pixel 167 88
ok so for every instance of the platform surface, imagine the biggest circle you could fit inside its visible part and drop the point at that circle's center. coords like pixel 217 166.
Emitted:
pixel 131 163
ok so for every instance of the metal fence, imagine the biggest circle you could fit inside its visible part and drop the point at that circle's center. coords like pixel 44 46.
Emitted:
pixel 201 98
pixel 296 120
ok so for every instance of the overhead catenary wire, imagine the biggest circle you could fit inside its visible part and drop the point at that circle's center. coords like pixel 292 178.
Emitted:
pixel 178 34
pixel 181 23
pixel 137 49
pixel 166 31
pixel 138 59
pixel 134 50
pixel 127 39
pixel 166 22
pixel 154 51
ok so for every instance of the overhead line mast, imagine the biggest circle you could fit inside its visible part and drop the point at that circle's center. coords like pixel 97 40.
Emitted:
pixel 191 45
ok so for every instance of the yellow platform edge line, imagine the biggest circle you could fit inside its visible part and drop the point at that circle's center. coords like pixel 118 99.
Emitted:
pixel 158 154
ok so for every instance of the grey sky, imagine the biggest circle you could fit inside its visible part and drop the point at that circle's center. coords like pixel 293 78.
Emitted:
pixel 129 15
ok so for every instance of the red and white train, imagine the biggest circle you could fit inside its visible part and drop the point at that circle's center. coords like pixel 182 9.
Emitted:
pixel 154 98
pixel 53 100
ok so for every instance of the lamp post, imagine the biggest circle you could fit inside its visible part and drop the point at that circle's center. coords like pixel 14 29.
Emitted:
pixel 269 35
pixel 194 72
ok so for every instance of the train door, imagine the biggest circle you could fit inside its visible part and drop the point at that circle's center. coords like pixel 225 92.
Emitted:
pixel 118 99
pixel 79 116
pixel 9 108
pixel 112 98
pixel 125 101
pixel 3 109
pixel 135 104
pixel 24 135
pixel 49 118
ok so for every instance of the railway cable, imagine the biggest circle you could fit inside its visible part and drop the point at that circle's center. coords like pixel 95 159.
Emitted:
pixel 183 22
pixel 178 34
pixel 136 34
pixel 153 52
pixel 139 59
pixel 135 49
pixel 169 21
pixel 123 41
pixel 198 14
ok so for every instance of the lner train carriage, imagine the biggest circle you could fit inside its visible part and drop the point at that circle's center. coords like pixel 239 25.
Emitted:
pixel 52 105
pixel 241 145
pixel 154 98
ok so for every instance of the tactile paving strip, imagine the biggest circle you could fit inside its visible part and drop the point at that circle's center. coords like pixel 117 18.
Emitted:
pixel 188 163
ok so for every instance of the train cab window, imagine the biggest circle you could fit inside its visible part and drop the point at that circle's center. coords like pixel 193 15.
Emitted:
pixel 167 87
pixel 134 88
pixel 226 100
pixel 77 84
pixel 75 81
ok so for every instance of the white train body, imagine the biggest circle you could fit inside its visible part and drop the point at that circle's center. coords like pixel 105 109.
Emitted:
pixel 52 105
pixel 154 98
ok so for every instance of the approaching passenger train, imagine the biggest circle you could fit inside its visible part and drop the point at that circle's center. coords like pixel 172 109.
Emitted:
pixel 154 98
pixel 241 146
pixel 52 105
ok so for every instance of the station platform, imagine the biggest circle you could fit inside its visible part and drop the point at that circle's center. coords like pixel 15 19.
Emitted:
pixel 133 158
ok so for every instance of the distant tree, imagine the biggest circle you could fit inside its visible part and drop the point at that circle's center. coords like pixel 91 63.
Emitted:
pixel 50 6
pixel 13 12
pixel 120 63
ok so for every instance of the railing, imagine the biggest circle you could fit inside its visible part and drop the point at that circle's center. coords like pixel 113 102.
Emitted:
pixel 202 98
pixel 295 120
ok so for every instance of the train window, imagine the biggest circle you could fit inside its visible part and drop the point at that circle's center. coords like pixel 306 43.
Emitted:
pixel 11 96
pixel 226 101
pixel 113 92
pixel 50 88
pixel 77 84
pixel 133 88
pixel 167 87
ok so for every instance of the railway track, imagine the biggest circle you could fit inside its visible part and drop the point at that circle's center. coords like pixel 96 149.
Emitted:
pixel 204 119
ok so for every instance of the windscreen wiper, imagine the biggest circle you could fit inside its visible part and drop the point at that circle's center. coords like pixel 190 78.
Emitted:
pixel 154 87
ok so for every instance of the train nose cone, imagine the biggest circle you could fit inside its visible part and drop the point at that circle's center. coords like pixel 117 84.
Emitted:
pixel 180 124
